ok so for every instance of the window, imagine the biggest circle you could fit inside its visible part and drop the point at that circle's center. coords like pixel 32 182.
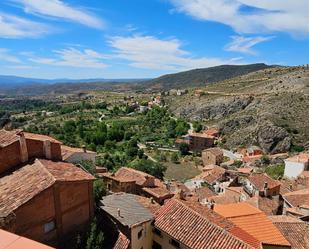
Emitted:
pixel 175 243
pixel 156 245
pixel 140 233
pixel 50 226
pixel 157 232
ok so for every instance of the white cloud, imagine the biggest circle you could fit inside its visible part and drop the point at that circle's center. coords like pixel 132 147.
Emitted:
pixel 16 27
pixel 72 57
pixel 6 56
pixel 149 52
pixel 244 45
pixel 291 16
pixel 59 9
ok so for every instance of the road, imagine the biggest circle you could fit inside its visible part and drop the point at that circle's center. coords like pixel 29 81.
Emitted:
pixel 231 155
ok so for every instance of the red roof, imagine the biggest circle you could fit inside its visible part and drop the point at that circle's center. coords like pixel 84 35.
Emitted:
pixel 23 184
pixel 259 180
pixel 128 174
pixel 192 229
pixel 122 242
pixel 13 241
pixel 8 137
pixel 253 221
pixel 40 137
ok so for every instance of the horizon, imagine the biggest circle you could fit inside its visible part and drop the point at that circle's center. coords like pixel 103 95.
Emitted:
pixel 138 40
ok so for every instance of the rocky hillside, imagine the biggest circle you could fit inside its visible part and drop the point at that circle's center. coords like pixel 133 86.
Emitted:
pixel 269 108
pixel 202 77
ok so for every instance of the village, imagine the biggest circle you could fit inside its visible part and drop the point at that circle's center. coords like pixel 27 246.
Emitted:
pixel 230 204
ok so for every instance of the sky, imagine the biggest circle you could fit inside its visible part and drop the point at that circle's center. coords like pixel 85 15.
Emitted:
pixel 147 38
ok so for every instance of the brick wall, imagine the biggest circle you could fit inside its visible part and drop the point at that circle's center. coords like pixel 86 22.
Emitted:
pixel 36 150
pixel 31 217
pixel 56 152
pixel 75 205
pixel 9 156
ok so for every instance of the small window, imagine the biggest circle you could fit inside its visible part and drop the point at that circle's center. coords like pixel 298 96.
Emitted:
pixel 140 233
pixel 175 243
pixel 50 226
pixel 156 245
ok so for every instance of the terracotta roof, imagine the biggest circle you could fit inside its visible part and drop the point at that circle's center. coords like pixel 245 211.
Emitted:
pixel 212 132
pixel 294 230
pixel 204 193
pixel 253 221
pixel 216 151
pixel 122 242
pixel 13 241
pixel 302 158
pixel 129 174
pixel 258 180
pixel 40 137
pixel 223 223
pixel 231 195
pixel 245 170
pixel 192 229
pixel 67 172
pixel 298 198
pixel 67 151
pixel 203 135
pixel 284 218
pixel 8 137
pixel 247 159
pixel 211 176
pixel 23 184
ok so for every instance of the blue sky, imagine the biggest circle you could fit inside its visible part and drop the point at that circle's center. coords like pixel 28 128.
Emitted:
pixel 147 38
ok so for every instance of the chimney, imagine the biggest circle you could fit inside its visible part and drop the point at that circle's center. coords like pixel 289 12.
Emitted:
pixel 152 200
pixel 291 186
pixel 84 149
pixel 118 211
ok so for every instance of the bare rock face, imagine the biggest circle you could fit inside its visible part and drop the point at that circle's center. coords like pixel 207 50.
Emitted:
pixel 232 125
pixel 219 109
pixel 273 139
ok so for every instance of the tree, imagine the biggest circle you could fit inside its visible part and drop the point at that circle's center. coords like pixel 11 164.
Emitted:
pixel 175 157
pixel 99 190
pixel 153 168
pixel 95 238
pixel 184 149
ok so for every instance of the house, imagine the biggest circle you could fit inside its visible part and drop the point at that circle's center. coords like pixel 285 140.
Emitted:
pixel 59 193
pixel 230 195
pixel 77 155
pixel 178 225
pixel 262 184
pixel 132 215
pixel 133 181
pixel 212 156
pixel 214 177
pixel 293 229
pixel 254 222
pixel 17 147
pixel 296 165
pixel 296 203
pixel 13 241
pixel 212 132
pixel 254 151
pixel 197 141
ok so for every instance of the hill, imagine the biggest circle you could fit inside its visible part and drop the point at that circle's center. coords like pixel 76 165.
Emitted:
pixel 268 108
pixel 202 77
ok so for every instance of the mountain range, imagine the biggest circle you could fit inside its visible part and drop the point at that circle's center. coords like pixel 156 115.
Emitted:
pixel 13 85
